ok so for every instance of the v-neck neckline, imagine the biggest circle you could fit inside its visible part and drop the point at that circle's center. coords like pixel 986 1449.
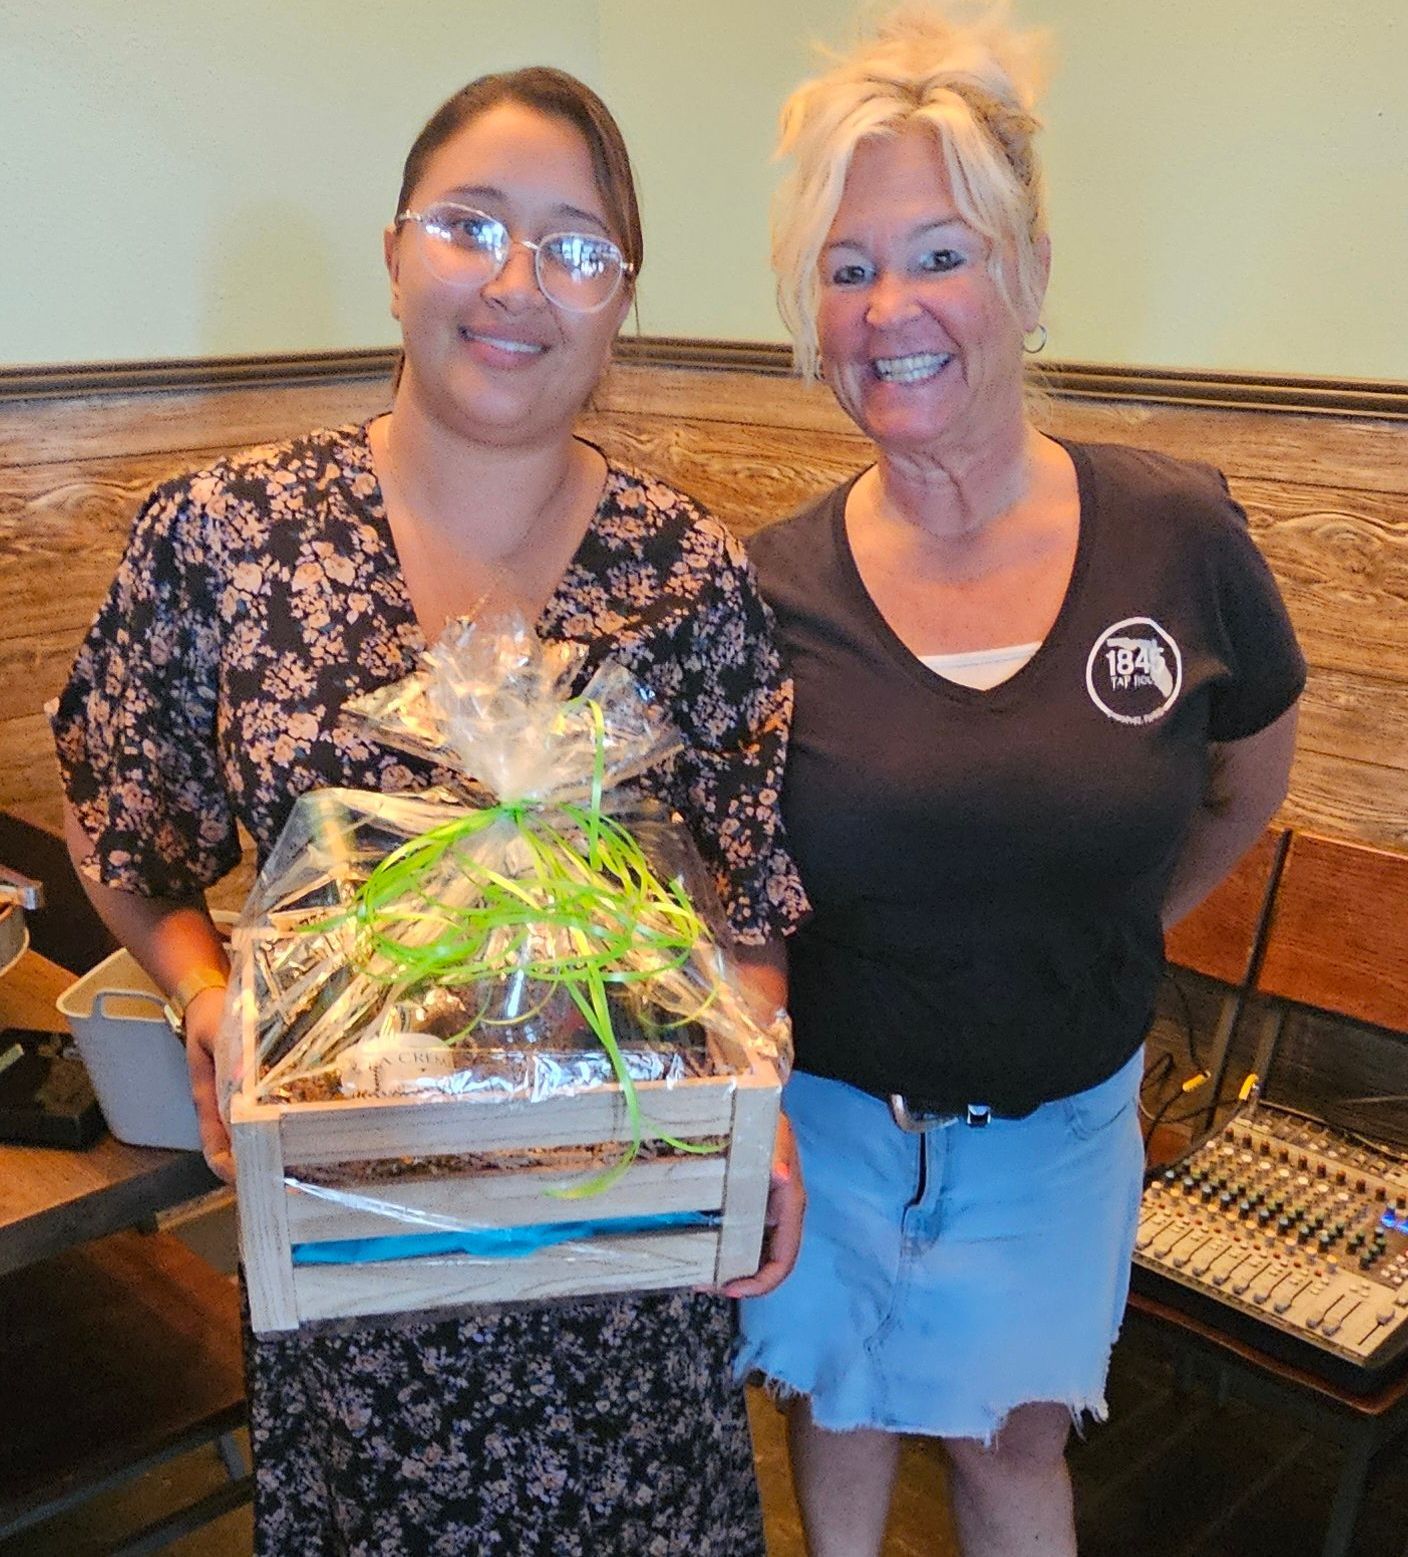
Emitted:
pixel 903 657
pixel 387 536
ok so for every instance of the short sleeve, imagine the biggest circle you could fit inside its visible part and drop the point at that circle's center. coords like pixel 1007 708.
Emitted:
pixel 735 722
pixel 1265 666
pixel 135 726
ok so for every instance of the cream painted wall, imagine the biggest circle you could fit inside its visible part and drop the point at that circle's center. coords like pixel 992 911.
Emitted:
pixel 185 180
pixel 1229 178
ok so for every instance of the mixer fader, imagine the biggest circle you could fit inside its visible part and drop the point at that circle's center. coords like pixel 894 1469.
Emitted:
pixel 1293 1236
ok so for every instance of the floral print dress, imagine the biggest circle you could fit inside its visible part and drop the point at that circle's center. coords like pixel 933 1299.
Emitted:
pixel 254 599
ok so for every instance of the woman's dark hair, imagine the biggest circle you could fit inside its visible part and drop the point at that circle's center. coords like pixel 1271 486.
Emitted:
pixel 559 96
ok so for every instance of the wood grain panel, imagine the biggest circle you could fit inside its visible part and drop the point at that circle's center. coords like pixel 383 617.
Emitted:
pixel 1360 717
pixel 1360 800
pixel 1367 454
pixel 32 670
pixel 62 528
pixel 1339 932
pixel 56 430
pixel 29 774
pixel 1342 565
pixel 747 476
pixel 1325 497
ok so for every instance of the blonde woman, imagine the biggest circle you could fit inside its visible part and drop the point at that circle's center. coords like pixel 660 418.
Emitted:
pixel 1044 700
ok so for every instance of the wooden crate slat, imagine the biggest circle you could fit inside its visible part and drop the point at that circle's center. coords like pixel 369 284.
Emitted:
pixel 510 1199
pixel 262 1205
pixel 746 1191
pixel 645 1261
pixel 378 1128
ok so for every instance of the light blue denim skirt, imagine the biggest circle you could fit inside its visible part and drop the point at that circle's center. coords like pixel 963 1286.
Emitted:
pixel 947 1277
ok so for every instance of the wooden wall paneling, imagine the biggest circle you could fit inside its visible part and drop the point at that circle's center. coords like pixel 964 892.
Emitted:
pixel 1343 567
pixel 1325 497
pixel 1364 801
pixel 747 475
pixel 1360 455
pixel 32 669
pixel 1357 716
pixel 62 528
pixel 1356 453
pixel 29 775
pixel 56 429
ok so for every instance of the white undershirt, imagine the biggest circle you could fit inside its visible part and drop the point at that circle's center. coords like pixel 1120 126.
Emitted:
pixel 981 669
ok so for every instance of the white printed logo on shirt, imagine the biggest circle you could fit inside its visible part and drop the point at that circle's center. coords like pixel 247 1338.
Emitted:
pixel 1135 671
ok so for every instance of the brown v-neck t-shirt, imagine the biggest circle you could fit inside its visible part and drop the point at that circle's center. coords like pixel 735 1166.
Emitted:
pixel 987 868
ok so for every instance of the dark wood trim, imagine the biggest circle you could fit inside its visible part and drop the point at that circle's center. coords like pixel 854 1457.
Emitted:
pixel 1085 380
pixel 178 375
pixel 1382 398
pixel 1239 391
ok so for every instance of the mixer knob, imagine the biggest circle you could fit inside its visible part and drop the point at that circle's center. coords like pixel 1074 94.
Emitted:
pixel 1264 1215
pixel 1321 1170
pixel 1225 1199
pixel 1332 1328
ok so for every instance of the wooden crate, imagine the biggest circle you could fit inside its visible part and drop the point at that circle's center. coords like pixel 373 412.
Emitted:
pixel 274 1141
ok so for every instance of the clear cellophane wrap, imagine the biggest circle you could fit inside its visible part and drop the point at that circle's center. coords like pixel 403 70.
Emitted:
pixel 537 929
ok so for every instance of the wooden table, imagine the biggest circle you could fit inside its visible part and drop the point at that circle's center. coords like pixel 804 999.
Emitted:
pixel 50 1198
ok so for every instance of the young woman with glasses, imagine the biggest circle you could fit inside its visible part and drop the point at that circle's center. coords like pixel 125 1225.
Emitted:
pixel 254 599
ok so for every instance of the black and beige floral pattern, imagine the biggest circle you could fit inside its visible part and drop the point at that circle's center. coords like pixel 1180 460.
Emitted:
pixel 254 599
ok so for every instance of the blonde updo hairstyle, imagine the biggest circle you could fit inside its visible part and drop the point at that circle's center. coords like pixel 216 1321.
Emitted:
pixel 973 83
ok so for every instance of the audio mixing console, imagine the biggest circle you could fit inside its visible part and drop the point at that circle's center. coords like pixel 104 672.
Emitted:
pixel 1291 1236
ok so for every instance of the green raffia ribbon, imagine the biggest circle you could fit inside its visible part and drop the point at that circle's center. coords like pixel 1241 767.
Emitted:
pixel 617 922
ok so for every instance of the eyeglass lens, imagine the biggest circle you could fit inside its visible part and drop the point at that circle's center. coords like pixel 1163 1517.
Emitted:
pixel 576 271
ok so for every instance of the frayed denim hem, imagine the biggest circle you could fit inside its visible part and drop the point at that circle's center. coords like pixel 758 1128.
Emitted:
pixel 1084 1410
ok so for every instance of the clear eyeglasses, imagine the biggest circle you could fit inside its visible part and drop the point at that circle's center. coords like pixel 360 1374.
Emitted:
pixel 577 271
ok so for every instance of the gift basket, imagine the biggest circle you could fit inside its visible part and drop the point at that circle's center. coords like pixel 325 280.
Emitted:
pixel 486 1043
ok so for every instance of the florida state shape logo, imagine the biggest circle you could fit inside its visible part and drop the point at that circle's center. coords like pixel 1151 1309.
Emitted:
pixel 1135 671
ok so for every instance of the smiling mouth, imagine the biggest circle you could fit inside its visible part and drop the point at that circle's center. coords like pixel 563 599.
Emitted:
pixel 522 348
pixel 912 369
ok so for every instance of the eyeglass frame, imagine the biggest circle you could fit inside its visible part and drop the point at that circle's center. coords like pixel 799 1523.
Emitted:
pixel 626 271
